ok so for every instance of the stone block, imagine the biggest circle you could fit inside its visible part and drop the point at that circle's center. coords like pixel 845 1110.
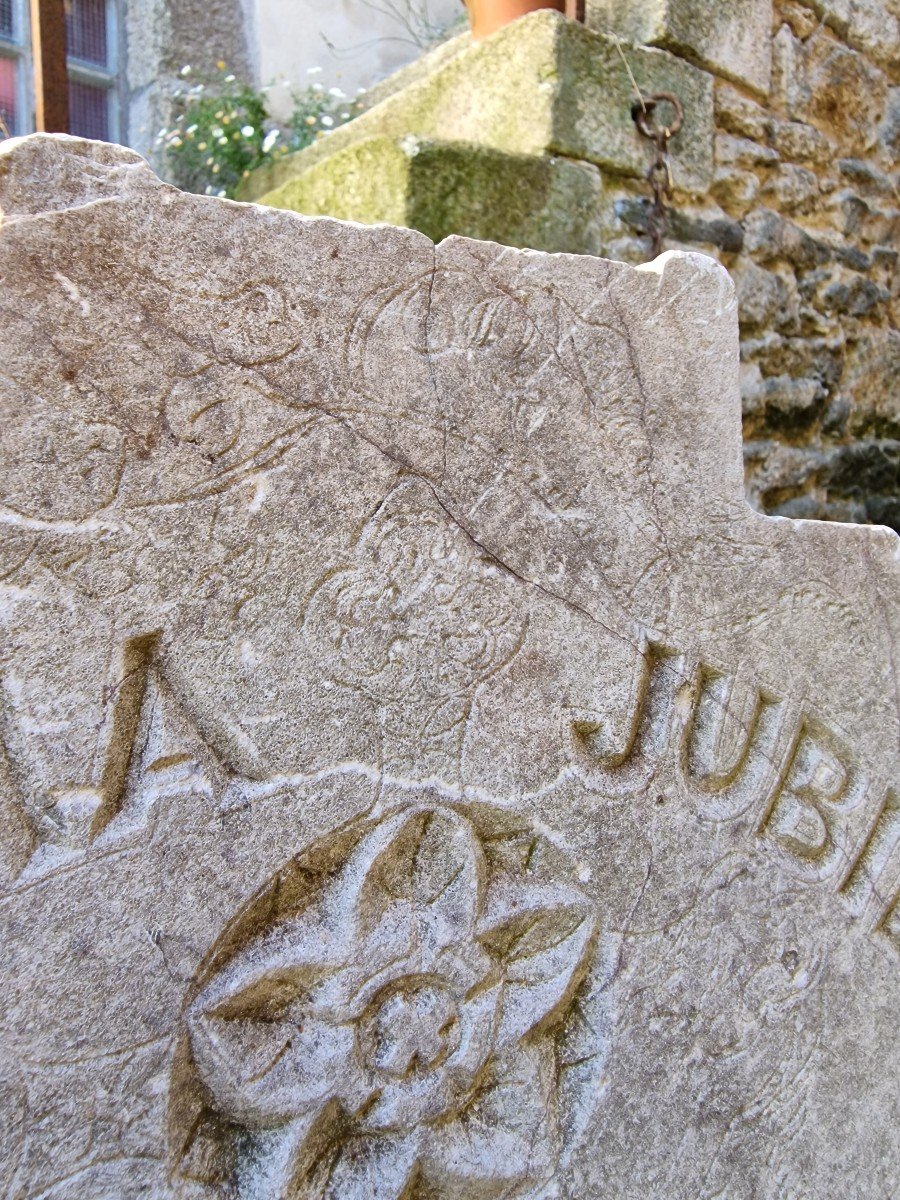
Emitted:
pixel 872 26
pixel 760 294
pixel 803 143
pixel 697 229
pixel 739 115
pixel 542 85
pixel 873 370
pixel 889 130
pixel 840 92
pixel 783 405
pixel 792 189
pixel 422 773
pixel 736 190
pixel 770 237
pixel 731 39
pixel 734 151
pixel 440 188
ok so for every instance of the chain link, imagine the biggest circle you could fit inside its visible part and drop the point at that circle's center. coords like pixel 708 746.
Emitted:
pixel 659 174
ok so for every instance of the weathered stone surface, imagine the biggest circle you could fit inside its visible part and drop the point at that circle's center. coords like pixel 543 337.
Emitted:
pixel 439 188
pixel 840 92
pixel 423 774
pixel 740 115
pixel 760 293
pixel 804 143
pixel 874 372
pixel 743 152
pixel 731 39
pixel 542 85
pixel 803 181
pixel 889 131
pixel 869 25
pixel 770 236
pixel 735 190
pixel 792 188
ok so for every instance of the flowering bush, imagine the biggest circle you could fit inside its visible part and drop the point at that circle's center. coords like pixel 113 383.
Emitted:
pixel 222 129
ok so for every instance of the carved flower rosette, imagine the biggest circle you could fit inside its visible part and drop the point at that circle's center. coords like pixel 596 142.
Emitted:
pixel 389 1017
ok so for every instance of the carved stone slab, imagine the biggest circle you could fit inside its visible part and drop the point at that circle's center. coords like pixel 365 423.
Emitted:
pixel 423 776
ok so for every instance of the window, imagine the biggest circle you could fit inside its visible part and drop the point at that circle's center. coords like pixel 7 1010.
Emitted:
pixel 90 42
pixel 91 34
pixel 13 68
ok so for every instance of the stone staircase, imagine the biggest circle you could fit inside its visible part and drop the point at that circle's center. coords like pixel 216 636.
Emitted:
pixel 507 139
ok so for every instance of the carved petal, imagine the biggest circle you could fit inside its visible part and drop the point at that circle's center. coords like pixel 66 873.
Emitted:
pixel 447 882
pixel 274 971
pixel 262 1074
pixel 543 934
pixel 411 889
pixel 374 1167
pixel 505 1139
pixel 429 858
pixel 281 1164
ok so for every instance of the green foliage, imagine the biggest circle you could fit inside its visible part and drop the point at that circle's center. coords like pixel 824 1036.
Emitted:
pixel 222 130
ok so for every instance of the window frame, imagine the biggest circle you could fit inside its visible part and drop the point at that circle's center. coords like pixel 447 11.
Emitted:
pixel 107 77
pixel 18 49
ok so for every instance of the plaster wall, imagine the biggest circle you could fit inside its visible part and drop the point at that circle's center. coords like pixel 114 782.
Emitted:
pixel 353 42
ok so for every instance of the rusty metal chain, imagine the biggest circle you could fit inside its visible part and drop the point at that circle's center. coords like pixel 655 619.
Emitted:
pixel 659 175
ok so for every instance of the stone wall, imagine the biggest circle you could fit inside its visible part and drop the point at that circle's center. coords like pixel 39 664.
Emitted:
pixel 803 210
pixel 786 171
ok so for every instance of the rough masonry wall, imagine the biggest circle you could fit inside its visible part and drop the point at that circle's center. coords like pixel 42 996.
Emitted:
pixel 803 211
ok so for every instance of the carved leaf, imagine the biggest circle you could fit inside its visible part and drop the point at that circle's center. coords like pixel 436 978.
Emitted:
pixel 544 935
pixel 263 1075
pixel 505 1138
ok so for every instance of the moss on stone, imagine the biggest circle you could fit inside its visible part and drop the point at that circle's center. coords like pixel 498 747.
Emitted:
pixel 441 188
pixel 367 182
pixel 542 85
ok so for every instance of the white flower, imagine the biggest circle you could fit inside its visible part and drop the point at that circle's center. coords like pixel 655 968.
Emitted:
pixel 269 141
pixel 317 87
pixel 327 121
pixel 185 71
pixel 229 78
pixel 336 91
pixel 247 130
pixel 314 70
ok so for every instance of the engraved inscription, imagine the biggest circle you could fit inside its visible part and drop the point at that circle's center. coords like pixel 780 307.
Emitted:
pixel 819 787
pixel 394 1006
pixel 872 858
pixel 625 764
pixel 739 749
pixel 729 745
